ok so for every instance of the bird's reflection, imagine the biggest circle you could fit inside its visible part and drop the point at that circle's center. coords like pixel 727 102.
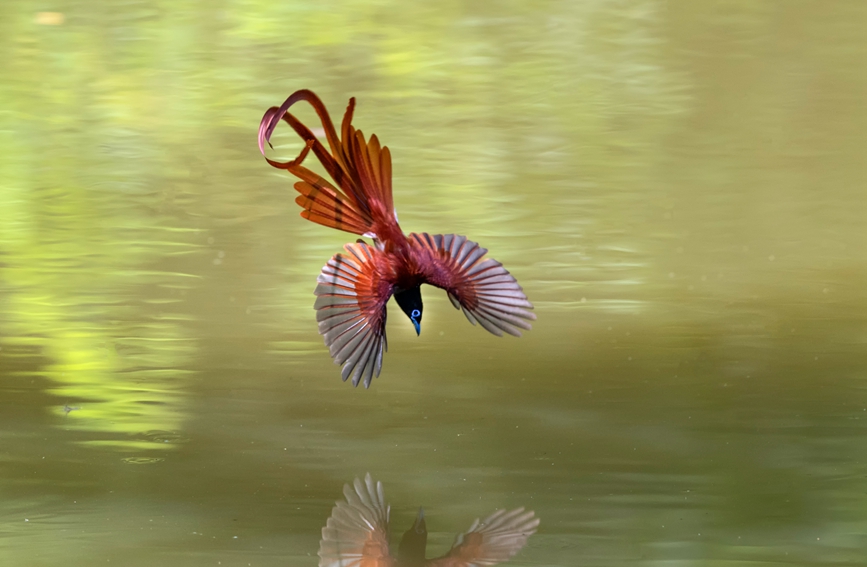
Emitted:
pixel 356 535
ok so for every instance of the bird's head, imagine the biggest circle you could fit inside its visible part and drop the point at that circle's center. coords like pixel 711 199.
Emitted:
pixel 413 543
pixel 410 302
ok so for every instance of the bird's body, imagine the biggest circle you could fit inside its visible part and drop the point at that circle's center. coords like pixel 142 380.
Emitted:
pixel 354 288
pixel 357 534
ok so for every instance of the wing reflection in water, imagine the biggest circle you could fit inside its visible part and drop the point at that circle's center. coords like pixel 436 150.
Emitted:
pixel 356 535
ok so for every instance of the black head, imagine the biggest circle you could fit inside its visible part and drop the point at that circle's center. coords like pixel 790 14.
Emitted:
pixel 413 542
pixel 410 301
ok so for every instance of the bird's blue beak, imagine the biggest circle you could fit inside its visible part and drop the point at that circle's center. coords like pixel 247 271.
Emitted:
pixel 419 525
pixel 417 326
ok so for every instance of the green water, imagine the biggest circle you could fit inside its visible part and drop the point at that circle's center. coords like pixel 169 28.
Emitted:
pixel 680 187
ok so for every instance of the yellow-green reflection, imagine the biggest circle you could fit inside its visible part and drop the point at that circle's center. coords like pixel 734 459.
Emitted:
pixel 74 290
pixel 83 237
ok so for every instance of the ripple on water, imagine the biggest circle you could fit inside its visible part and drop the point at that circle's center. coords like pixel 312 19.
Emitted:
pixel 142 460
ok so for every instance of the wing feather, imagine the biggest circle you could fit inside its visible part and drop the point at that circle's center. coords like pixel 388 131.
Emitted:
pixel 490 541
pixel 350 309
pixel 486 292
pixel 356 534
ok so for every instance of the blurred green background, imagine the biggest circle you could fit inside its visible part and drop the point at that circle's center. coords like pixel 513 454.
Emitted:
pixel 680 187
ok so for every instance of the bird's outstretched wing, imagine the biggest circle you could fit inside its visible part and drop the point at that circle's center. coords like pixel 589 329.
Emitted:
pixel 360 201
pixel 350 308
pixel 490 541
pixel 482 287
pixel 356 534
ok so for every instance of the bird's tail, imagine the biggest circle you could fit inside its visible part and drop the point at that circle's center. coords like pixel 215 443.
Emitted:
pixel 361 170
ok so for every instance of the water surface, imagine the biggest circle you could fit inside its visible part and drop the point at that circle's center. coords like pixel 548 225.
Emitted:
pixel 679 187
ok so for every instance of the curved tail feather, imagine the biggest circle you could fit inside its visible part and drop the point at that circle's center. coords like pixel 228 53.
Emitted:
pixel 361 202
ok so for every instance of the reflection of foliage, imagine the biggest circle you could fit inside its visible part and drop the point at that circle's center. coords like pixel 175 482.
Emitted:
pixel 79 240
pixel 124 117
pixel 448 81
pixel 73 291
pixel 125 121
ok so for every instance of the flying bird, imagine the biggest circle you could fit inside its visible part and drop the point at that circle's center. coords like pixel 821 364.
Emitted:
pixel 353 288
pixel 356 535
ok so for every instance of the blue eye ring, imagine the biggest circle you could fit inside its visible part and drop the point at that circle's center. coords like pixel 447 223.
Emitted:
pixel 415 313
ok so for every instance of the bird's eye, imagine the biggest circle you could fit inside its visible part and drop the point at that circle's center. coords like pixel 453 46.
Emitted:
pixel 415 313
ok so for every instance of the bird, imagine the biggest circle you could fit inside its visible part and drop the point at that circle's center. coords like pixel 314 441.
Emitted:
pixel 356 535
pixel 353 287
